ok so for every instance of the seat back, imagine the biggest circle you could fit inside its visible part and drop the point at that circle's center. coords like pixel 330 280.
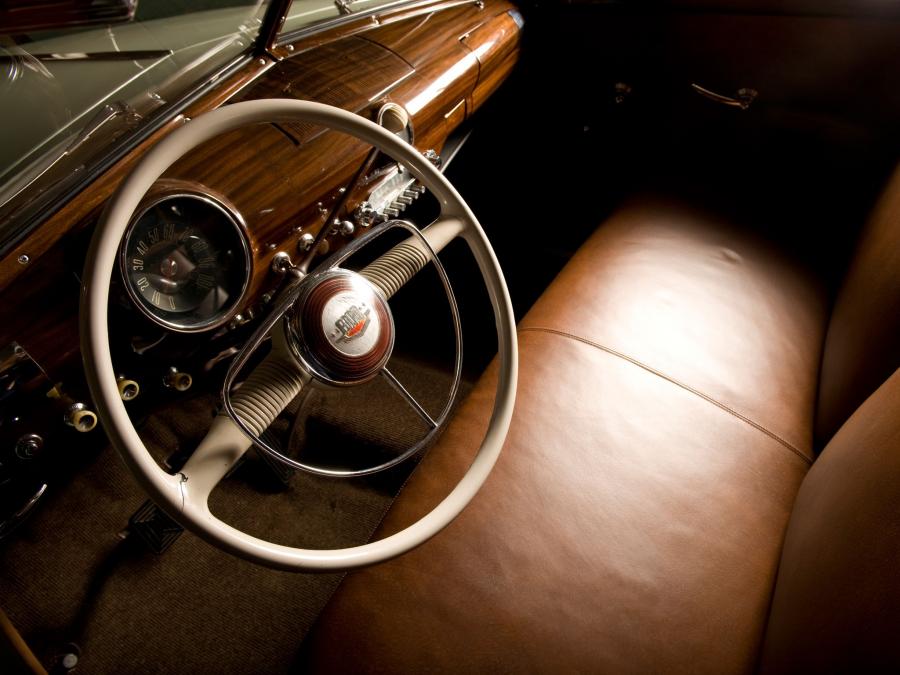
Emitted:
pixel 862 345
pixel 836 606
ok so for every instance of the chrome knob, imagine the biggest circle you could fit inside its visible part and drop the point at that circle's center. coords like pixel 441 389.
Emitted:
pixel 365 215
pixel 174 379
pixel 433 157
pixel 128 389
pixel 80 417
pixel 29 446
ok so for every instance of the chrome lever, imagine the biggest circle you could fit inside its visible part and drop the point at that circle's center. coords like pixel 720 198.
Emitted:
pixel 16 519
pixel 742 99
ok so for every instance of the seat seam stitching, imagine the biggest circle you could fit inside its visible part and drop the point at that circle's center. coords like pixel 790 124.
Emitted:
pixel 686 387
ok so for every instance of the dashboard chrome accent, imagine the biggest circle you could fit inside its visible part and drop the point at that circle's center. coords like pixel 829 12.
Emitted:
pixel 281 263
pixel 390 198
pixel 230 305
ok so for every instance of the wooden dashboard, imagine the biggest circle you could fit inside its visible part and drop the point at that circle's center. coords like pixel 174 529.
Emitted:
pixel 439 60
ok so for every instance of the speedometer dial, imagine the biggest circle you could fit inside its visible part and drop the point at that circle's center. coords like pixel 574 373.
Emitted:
pixel 186 262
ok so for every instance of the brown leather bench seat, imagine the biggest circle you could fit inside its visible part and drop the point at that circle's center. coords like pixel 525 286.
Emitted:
pixel 635 520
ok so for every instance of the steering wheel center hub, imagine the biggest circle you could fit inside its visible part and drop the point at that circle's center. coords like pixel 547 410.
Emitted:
pixel 342 328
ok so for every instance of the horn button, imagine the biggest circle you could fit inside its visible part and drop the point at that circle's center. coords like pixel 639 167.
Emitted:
pixel 342 328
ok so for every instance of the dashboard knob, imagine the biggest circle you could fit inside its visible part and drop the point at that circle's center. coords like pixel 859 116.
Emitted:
pixel 79 417
pixel 29 446
pixel 433 157
pixel 174 379
pixel 365 215
pixel 128 389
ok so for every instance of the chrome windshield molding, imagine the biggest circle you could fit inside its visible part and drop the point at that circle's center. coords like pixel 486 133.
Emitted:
pixel 22 220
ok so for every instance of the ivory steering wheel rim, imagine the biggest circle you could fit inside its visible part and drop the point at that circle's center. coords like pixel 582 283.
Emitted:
pixel 176 494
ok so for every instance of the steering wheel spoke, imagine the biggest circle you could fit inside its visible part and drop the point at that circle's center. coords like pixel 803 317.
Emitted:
pixel 404 392
pixel 266 392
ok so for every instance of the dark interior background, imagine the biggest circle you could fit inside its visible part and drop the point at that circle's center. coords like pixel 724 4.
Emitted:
pixel 803 164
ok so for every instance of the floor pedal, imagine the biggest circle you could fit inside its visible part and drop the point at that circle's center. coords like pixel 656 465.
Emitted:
pixel 154 528
pixel 279 470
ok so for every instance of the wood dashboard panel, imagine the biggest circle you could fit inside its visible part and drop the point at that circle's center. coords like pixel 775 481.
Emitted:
pixel 283 179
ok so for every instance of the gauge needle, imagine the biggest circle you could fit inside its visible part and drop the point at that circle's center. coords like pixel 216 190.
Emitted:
pixel 184 264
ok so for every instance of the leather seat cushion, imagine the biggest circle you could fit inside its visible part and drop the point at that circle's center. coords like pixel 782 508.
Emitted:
pixel 688 294
pixel 635 519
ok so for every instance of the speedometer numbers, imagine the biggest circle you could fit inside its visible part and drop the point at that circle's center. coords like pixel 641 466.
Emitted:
pixel 186 262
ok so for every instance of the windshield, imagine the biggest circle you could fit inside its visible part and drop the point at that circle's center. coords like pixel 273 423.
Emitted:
pixel 70 93
pixel 61 86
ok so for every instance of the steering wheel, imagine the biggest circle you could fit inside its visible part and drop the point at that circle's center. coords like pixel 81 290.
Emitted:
pixel 297 356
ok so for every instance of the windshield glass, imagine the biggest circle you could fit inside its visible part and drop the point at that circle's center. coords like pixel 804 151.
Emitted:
pixel 63 85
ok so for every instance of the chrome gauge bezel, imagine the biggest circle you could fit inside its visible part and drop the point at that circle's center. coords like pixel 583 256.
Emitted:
pixel 237 222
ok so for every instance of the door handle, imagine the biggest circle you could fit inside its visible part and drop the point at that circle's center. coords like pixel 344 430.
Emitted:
pixel 742 99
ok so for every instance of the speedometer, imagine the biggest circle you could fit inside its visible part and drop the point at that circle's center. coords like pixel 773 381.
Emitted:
pixel 186 261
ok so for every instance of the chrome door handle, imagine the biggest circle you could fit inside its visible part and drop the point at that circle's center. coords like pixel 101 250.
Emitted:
pixel 742 99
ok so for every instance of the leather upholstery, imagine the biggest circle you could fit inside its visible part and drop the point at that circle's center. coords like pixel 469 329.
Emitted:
pixel 863 343
pixel 836 605
pixel 685 293
pixel 635 518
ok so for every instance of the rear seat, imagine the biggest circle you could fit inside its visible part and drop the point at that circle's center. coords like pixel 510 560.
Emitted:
pixel 663 428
